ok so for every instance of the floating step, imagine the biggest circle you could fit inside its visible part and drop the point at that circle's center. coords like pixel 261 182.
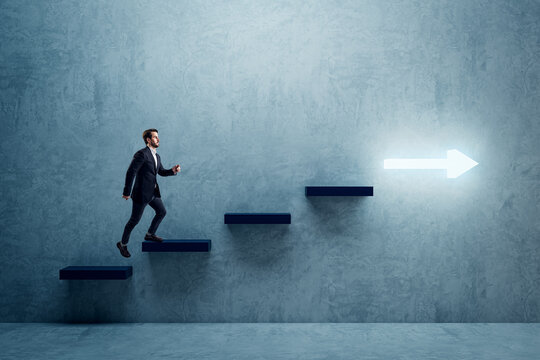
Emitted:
pixel 339 190
pixel 184 245
pixel 257 218
pixel 96 272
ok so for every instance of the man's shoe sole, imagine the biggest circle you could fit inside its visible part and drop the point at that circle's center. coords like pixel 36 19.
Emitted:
pixel 153 239
pixel 121 252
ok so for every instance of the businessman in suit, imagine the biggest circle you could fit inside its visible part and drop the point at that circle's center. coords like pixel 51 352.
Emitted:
pixel 144 167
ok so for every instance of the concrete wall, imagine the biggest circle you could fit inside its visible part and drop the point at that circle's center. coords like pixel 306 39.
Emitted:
pixel 257 99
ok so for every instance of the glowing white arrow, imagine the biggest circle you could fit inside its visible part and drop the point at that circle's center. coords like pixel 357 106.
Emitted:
pixel 456 163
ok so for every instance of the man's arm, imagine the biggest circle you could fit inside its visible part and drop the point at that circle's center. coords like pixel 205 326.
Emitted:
pixel 169 172
pixel 136 163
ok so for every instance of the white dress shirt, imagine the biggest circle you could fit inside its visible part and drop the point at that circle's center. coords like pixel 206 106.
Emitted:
pixel 153 154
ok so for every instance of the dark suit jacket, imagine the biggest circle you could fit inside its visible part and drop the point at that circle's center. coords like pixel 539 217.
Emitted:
pixel 143 168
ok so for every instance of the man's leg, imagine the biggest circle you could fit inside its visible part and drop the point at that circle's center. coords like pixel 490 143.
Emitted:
pixel 157 205
pixel 136 214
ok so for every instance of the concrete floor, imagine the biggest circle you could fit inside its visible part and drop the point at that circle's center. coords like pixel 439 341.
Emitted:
pixel 269 341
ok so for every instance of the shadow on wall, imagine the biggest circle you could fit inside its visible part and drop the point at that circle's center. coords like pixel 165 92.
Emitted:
pixel 336 214
pixel 89 301
pixel 177 273
pixel 260 245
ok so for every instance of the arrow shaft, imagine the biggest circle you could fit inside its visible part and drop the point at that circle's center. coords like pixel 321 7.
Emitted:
pixel 415 164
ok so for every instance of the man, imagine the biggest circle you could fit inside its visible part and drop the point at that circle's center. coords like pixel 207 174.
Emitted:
pixel 145 165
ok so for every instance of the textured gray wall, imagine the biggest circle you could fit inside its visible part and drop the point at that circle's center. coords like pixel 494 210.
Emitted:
pixel 256 100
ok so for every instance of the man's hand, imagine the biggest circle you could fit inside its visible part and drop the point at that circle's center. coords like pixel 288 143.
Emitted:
pixel 176 169
pixel 125 197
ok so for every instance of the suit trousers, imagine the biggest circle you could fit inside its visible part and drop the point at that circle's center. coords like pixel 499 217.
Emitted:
pixel 136 214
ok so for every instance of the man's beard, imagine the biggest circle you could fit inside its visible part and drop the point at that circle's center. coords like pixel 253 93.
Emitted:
pixel 155 144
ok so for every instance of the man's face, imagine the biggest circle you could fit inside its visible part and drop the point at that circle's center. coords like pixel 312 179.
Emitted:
pixel 154 140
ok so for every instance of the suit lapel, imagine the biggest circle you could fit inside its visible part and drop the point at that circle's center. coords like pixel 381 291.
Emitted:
pixel 149 152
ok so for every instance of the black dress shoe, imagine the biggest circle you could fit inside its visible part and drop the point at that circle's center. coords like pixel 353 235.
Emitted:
pixel 153 237
pixel 123 250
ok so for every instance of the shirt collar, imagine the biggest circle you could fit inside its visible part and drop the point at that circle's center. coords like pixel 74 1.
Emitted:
pixel 152 150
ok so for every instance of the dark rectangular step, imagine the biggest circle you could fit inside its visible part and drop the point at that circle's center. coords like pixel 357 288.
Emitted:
pixel 339 190
pixel 96 272
pixel 257 218
pixel 184 245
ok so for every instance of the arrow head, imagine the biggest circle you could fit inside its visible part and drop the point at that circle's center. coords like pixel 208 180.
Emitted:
pixel 458 163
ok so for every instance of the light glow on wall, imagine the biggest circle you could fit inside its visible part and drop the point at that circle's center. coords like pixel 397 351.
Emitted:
pixel 456 163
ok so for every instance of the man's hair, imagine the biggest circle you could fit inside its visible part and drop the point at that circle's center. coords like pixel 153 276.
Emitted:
pixel 147 134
